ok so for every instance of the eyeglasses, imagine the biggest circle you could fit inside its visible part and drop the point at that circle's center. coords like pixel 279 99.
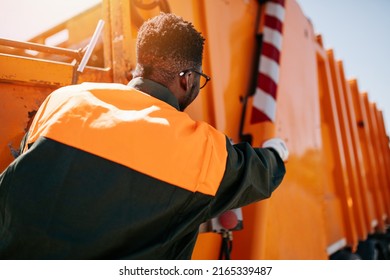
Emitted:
pixel 203 77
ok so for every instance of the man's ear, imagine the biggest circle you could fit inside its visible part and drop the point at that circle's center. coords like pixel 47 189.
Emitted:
pixel 186 81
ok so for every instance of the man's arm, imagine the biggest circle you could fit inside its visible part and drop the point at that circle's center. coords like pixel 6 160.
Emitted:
pixel 251 174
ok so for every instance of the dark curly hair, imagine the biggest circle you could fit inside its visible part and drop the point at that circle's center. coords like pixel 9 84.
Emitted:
pixel 166 45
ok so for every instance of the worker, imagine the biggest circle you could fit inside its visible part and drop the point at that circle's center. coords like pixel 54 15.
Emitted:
pixel 112 171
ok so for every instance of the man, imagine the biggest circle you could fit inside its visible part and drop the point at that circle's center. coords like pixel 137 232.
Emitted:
pixel 120 172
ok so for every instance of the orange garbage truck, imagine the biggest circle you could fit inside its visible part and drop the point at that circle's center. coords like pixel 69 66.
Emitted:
pixel 271 76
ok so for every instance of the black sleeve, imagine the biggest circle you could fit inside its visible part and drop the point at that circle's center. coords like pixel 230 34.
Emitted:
pixel 251 174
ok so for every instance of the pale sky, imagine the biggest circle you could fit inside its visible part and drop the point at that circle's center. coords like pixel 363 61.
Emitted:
pixel 23 19
pixel 357 30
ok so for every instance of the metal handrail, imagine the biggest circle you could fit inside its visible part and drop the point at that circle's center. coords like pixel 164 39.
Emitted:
pixel 77 54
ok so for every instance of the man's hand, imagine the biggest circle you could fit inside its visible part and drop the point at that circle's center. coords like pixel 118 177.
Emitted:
pixel 279 146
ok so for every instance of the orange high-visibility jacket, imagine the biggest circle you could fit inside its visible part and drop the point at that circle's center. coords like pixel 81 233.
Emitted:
pixel 110 171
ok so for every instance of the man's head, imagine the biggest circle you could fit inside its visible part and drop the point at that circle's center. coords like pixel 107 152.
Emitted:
pixel 167 47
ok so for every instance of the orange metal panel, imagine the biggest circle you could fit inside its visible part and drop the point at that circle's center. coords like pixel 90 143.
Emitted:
pixel 349 192
pixel 381 162
pixel 207 246
pixel 338 216
pixel 17 69
pixel 379 207
pixel 384 139
pixel 13 68
pixel 360 203
pixel 119 40
pixel 282 226
pixel 366 175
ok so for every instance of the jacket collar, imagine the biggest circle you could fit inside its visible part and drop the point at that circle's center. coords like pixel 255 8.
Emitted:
pixel 154 89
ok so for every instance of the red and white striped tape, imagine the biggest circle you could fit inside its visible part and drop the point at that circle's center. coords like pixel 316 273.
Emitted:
pixel 264 99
